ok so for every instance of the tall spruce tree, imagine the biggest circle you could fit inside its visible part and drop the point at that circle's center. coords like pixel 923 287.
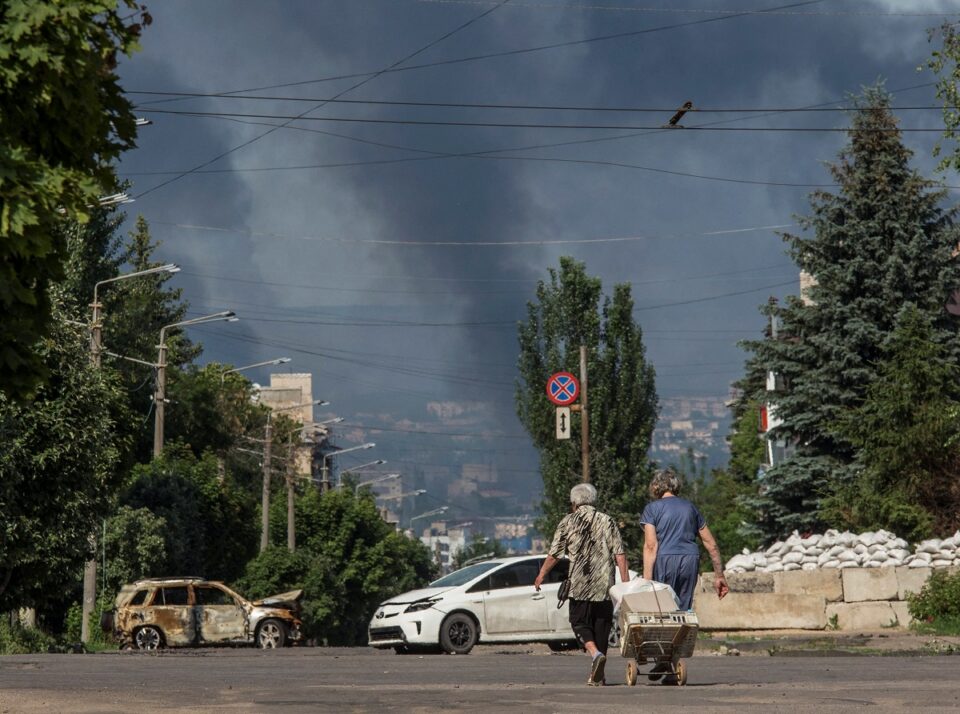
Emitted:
pixel 622 394
pixel 882 241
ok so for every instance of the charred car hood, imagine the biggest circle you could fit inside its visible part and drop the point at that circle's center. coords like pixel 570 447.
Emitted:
pixel 290 600
pixel 415 596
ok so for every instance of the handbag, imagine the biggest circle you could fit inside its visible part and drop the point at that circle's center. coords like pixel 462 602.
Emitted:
pixel 563 593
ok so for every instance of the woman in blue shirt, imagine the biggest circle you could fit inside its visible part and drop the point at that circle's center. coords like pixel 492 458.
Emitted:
pixel 670 528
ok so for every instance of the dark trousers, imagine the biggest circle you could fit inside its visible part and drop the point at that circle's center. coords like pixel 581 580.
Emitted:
pixel 592 621
pixel 679 572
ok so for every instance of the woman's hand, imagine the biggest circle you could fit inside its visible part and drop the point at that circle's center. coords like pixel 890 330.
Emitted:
pixel 720 583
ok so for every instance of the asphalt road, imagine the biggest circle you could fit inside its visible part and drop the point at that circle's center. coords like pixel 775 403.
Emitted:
pixel 521 679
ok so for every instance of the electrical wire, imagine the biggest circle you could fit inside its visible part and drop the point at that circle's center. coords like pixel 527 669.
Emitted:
pixel 529 107
pixel 524 50
pixel 303 115
pixel 518 125
pixel 692 11
pixel 472 244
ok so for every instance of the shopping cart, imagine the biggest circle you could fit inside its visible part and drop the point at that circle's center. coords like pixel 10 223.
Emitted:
pixel 663 638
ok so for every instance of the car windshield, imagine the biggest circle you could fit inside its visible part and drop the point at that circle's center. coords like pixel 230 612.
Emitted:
pixel 464 575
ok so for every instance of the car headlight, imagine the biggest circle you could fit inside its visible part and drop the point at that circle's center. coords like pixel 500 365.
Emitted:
pixel 418 606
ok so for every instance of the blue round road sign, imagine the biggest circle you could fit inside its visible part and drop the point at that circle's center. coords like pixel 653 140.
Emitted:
pixel 563 389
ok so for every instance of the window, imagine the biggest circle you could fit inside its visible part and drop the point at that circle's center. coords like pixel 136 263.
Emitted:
pixel 464 575
pixel 213 596
pixel 558 572
pixel 172 596
pixel 514 576
pixel 138 597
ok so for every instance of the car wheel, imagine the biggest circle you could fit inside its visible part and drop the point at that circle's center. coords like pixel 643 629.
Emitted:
pixel 458 633
pixel 148 638
pixel 271 634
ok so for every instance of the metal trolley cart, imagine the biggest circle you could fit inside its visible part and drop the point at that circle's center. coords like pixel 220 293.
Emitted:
pixel 664 638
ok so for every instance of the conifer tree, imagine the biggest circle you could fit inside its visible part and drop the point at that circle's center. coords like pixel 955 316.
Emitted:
pixel 882 241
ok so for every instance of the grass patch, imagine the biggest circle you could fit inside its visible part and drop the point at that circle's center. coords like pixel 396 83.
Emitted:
pixel 945 625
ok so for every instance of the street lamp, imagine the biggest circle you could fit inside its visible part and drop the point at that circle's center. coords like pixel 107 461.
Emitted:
pixel 96 349
pixel 388 477
pixel 325 480
pixel 159 394
pixel 434 512
pixel 279 360
pixel 418 492
pixel 96 329
pixel 265 494
pixel 354 469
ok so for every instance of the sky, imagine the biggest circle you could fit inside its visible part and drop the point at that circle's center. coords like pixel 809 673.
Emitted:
pixel 389 245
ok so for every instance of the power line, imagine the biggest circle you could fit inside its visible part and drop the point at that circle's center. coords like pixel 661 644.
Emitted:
pixel 692 11
pixel 474 244
pixel 526 50
pixel 497 153
pixel 303 115
pixel 520 125
pixel 526 107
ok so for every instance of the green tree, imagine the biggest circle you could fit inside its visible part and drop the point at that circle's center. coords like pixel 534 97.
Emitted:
pixel 211 524
pixel 478 547
pixel 907 435
pixel 348 561
pixel 57 471
pixel 622 396
pixel 135 546
pixel 64 121
pixel 881 241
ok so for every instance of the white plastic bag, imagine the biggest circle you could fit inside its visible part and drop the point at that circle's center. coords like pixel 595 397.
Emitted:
pixel 637 585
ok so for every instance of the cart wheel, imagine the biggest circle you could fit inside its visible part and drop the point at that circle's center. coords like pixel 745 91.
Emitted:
pixel 631 673
pixel 681 677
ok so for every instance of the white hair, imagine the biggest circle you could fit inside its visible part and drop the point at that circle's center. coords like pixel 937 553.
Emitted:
pixel 583 494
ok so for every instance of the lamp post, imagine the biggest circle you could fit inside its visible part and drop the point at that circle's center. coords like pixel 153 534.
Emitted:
pixel 388 477
pixel 96 328
pixel 265 494
pixel 354 469
pixel 418 492
pixel 434 512
pixel 325 480
pixel 96 350
pixel 159 394
pixel 279 360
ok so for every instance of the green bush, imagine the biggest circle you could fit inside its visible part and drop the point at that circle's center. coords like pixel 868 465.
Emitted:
pixel 15 639
pixel 936 608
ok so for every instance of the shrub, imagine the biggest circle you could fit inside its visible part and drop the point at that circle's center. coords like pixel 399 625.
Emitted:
pixel 16 639
pixel 936 607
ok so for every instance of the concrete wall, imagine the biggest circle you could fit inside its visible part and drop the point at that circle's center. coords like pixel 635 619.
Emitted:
pixel 849 599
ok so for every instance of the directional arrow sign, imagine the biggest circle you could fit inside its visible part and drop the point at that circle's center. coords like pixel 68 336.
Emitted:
pixel 563 422
pixel 563 389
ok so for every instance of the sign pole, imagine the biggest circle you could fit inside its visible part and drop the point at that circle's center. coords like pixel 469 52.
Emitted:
pixel 584 422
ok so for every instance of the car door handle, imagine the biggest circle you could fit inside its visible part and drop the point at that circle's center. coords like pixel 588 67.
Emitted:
pixel 538 596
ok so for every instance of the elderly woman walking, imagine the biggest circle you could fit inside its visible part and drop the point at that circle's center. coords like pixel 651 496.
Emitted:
pixel 670 528
pixel 592 542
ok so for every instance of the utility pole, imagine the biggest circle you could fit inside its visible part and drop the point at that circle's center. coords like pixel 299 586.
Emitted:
pixel 265 495
pixel 291 524
pixel 89 600
pixel 159 400
pixel 584 420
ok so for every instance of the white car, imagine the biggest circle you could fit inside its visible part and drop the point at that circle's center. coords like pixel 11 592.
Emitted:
pixel 490 601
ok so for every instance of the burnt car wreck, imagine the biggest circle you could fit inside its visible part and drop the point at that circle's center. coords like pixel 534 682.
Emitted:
pixel 191 612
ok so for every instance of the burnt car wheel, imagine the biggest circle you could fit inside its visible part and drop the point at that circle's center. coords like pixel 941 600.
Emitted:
pixel 271 634
pixel 458 633
pixel 148 638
